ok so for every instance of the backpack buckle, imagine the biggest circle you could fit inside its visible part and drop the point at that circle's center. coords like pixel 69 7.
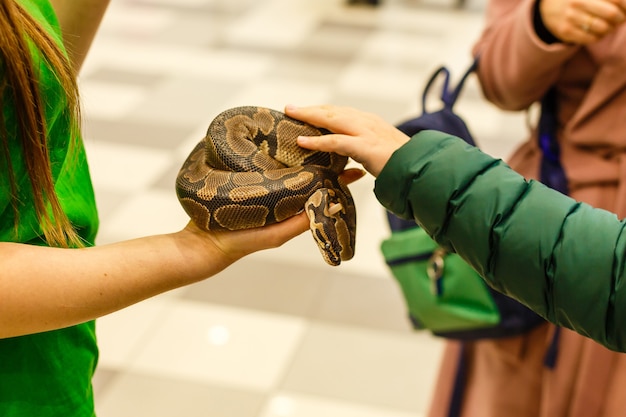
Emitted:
pixel 435 270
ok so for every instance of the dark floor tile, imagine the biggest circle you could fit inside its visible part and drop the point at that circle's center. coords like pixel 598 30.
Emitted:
pixel 263 285
pixel 111 75
pixel 137 133
pixel 103 379
pixel 363 301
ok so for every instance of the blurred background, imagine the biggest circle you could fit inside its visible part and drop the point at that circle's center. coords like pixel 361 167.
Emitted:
pixel 279 334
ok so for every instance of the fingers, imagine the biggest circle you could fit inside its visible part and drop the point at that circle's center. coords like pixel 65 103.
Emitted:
pixel 240 243
pixel 599 18
pixel 351 128
pixel 341 144
pixel 372 153
pixel 344 120
pixel 234 245
pixel 362 136
pixel 279 233
pixel 582 21
pixel 602 14
pixel 274 235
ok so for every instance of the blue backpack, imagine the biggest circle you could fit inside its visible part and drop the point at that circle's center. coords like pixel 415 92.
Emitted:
pixel 511 318
pixel 465 307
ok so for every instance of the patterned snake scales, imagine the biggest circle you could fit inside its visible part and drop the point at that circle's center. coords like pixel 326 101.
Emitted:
pixel 248 171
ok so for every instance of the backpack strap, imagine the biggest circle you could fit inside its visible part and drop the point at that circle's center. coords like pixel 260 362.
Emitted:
pixel 448 95
pixel 549 359
pixel 458 387
pixel 552 173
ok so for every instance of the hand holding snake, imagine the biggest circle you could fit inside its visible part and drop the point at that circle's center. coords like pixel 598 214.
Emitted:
pixel 249 172
pixel 582 21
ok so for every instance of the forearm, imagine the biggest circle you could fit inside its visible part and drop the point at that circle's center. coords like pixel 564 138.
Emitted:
pixel 45 288
pixel 79 20
pixel 561 258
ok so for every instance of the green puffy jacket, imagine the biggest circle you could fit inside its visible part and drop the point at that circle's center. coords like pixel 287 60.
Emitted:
pixel 563 259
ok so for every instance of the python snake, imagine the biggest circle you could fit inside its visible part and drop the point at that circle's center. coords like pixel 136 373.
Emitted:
pixel 248 171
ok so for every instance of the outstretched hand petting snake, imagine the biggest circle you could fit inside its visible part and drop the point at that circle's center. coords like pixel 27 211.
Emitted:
pixel 248 171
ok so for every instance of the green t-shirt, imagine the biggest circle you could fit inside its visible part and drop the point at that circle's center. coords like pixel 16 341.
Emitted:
pixel 48 374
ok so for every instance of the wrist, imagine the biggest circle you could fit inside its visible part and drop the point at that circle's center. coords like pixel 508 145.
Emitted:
pixel 540 28
pixel 205 253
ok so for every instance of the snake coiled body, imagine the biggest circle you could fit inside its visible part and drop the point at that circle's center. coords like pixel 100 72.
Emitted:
pixel 248 171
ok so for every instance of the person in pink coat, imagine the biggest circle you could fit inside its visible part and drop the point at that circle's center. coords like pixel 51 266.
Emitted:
pixel 576 48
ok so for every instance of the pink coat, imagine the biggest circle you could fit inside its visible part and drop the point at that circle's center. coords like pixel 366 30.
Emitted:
pixel 507 377
pixel 516 69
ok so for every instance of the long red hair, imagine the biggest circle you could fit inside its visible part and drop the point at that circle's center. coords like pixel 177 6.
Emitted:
pixel 20 84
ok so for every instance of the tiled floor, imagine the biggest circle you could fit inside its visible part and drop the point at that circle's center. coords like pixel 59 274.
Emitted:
pixel 280 334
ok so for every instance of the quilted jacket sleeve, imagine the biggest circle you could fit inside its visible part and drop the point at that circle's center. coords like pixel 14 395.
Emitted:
pixel 563 259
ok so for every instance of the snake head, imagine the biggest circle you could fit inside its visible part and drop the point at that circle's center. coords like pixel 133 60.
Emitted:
pixel 332 221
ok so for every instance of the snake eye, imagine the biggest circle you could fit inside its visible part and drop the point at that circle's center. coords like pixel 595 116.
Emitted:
pixel 327 245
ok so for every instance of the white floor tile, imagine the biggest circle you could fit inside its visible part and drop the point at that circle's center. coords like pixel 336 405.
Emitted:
pixel 276 94
pixel 187 2
pixel 381 368
pixel 125 168
pixel 380 81
pixel 222 345
pixel 110 101
pixel 277 24
pixel 136 394
pixel 286 404
pixel 125 18
pixel 148 57
pixel 395 49
pixel 147 213
pixel 211 357
pixel 121 334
